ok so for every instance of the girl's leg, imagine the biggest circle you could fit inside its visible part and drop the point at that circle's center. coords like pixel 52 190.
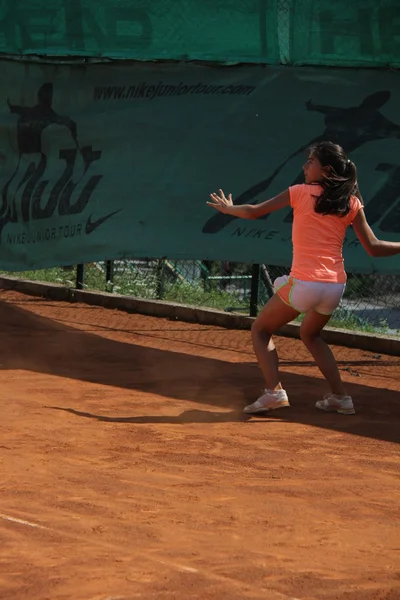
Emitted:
pixel 310 333
pixel 274 314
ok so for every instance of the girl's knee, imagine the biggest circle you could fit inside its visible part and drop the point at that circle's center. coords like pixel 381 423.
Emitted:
pixel 257 328
pixel 312 326
pixel 308 336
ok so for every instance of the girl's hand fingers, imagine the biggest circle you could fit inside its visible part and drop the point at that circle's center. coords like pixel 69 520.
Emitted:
pixel 218 200
pixel 216 206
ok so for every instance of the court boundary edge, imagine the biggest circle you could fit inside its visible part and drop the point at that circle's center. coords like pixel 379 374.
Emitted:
pixel 181 312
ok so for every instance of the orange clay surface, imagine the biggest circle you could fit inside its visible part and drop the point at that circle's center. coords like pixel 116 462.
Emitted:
pixel 128 469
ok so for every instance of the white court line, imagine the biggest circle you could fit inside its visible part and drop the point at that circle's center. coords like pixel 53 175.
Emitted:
pixel 162 562
pixel 109 598
pixel 150 557
pixel 21 522
pixel 170 564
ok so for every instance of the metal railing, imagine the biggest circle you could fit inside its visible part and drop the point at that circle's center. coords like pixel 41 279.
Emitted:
pixel 371 303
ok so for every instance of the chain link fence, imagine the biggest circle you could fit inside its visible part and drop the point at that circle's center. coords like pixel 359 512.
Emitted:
pixel 284 20
pixel 371 303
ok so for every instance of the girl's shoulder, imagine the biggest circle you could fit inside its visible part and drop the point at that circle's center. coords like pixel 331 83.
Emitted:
pixel 355 206
pixel 303 192
pixel 310 188
pixel 355 203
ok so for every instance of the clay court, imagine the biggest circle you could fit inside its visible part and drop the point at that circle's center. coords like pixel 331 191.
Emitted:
pixel 129 470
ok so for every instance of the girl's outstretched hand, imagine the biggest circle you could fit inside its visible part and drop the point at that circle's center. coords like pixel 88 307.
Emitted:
pixel 221 202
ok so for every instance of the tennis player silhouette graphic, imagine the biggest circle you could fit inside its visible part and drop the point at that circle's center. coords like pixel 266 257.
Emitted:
pixel 349 127
pixel 32 122
pixel 30 194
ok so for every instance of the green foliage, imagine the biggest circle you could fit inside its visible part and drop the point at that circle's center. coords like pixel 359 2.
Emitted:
pixel 183 284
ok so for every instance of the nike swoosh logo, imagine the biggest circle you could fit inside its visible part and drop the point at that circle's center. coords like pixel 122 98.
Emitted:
pixel 93 225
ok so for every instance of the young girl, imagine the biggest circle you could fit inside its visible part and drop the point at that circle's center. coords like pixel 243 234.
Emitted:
pixel 323 207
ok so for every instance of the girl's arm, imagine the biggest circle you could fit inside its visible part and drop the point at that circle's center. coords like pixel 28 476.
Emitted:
pixel 369 241
pixel 248 211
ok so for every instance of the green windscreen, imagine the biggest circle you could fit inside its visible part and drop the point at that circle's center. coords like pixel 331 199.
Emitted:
pixel 118 160
pixel 362 33
pixel 209 30
pixel 352 33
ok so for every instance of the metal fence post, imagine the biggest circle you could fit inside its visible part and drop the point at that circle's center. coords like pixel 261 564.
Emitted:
pixel 160 286
pixel 80 275
pixel 109 273
pixel 255 287
pixel 267 281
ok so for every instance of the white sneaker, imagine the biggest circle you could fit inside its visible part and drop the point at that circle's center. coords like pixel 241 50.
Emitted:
pixel 340 404
pixel 268 401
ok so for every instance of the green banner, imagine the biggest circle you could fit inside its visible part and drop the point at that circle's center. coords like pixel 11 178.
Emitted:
pixel 361 33
pixel 107 162
pixel 208 30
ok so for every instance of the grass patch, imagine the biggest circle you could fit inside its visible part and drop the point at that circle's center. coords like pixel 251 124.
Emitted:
pixel 149 283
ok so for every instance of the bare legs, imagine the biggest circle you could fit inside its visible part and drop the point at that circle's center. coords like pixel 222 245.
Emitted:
pixel 276 314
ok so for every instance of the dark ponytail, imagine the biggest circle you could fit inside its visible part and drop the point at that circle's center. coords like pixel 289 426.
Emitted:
pixel 339 182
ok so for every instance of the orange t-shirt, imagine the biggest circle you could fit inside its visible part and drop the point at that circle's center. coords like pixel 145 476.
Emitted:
pixel 318 239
